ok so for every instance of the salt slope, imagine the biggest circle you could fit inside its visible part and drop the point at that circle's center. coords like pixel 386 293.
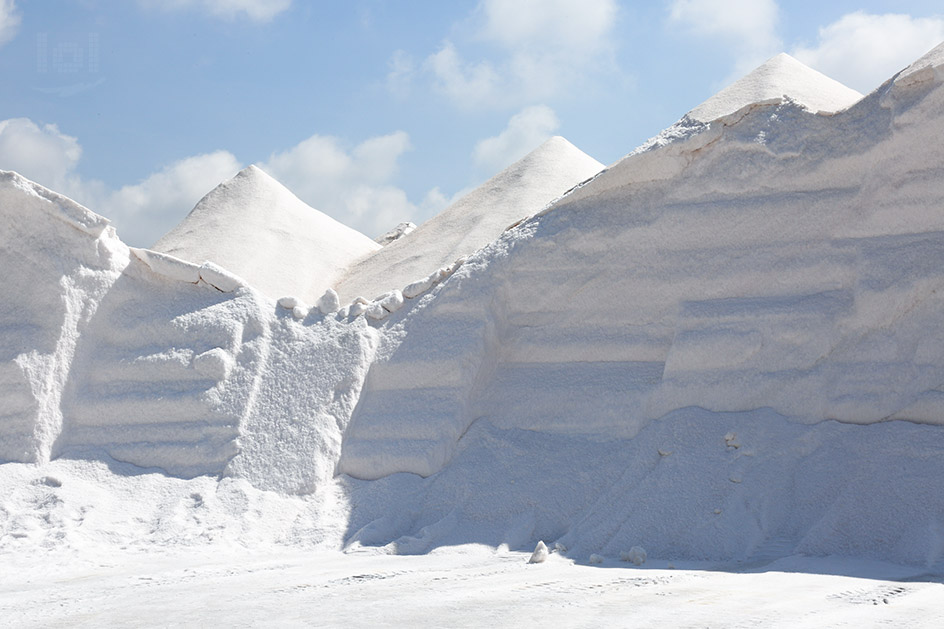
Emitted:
pixel 255 227
pixel 777 77
pixel 473 221
pixel 775 268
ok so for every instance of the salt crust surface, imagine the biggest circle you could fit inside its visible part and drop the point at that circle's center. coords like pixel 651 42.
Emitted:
pixel 722 347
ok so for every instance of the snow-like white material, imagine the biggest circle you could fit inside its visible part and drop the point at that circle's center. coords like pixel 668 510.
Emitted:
pixel 635 555
pixel 540 553
pixel 48 300
pixel 778 77
pixel 329 302
pixel 219 278
pixel 473 221
pixel 252 584
pixel 253 227
pixel 168 266
pixel 401 230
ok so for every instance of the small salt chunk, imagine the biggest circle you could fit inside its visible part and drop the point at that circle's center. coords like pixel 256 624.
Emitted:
pixel 540 553
pixel 392 301
pixel 300 311
pixel 419 287
pixel 635 555
pixel 377 312
pixel 288 302
pixel 358 308
pixel 214 364
pixel 220 278
pixel 329 302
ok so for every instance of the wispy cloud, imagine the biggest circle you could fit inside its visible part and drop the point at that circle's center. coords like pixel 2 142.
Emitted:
pixel 863 50
pixel 256 10
pixel 352 185
pixel 747 28
pixel 355 186
pixel 531 50
pixel 526 130
pixel 9 21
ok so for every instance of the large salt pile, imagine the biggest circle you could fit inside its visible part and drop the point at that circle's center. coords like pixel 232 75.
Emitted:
pixel 678 352
pixel 722 347
pixel 473 221
pixel 254 227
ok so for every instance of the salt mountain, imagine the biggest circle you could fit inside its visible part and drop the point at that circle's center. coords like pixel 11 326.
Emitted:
pixel 723 346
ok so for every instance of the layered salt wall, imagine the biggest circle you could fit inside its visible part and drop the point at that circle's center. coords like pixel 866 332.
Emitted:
pixel 776 259
pixel 679 352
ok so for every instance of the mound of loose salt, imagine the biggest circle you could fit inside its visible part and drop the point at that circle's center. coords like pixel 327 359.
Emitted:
pixel 256 228
pixel 473 221
pixel 778 77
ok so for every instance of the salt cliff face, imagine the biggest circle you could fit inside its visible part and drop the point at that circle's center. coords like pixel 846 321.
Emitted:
pixel 49 301
pixel 774 259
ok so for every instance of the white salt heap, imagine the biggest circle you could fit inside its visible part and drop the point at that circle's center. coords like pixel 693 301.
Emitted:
pixel 776 78
pixel 723 347
pixel 253 226
pixel 473 221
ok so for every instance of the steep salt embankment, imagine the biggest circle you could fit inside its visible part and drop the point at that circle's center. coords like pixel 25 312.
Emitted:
pixel 138 357
pixel 472 222
pixel 48 300
pixel 254 227
pixel 659 358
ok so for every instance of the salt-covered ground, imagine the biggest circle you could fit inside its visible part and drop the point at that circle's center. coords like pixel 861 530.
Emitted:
pixel 469 586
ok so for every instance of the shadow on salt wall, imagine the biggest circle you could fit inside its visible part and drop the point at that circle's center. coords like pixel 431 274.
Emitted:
pixel 718 491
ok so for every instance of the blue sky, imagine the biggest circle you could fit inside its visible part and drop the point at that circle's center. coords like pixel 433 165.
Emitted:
pixel 377 111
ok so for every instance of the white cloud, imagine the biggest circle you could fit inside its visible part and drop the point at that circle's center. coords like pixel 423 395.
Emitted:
pixel 541 48
pixel 581 27
pixel 43 154
pixel 9 21
pixel 145 211
pixel 141 212
pixel 748 28
pixel 402 72
pixel 525 131
pixel 352 186
pixel 258 10
pixel 863 50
